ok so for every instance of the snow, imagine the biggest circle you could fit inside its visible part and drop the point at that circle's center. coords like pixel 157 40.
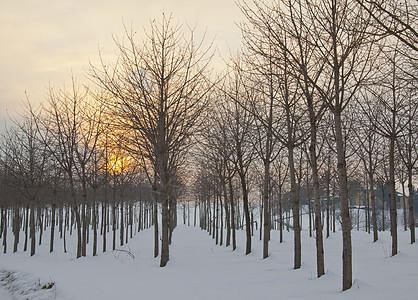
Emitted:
pixel 200 269
pixel 15 286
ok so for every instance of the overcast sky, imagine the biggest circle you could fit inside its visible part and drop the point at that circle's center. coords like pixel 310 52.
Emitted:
pixel 42 42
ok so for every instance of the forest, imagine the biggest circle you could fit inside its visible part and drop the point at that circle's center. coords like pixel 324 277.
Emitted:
pixel 314 119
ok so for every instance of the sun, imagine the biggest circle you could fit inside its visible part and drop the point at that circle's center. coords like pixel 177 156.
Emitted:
pixel 117 164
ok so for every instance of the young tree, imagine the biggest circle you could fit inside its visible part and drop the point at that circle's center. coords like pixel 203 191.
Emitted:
pixel 240 131
pixel 88 128
pixel 368 145
pixel 58 127
pixel 408 150
pixel 389 101
pixel 341 35
pixel 271 41
pixel 263 81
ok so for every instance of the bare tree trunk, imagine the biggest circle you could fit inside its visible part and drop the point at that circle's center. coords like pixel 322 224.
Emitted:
pixel 373 200
pixel 155 219
pixel 310 212
pixel 333 208
pixel 104 219
pixel 121 220
pixel 77 217
pixel 216 216
pixel 61 217
pixel 114 224
pixel 221 237
pixel 51 243
pixel 16 227
pixel 32 229
pixel 78 224
pixel 403 203
pixel 266 180
pixel 231 198
pixel 228 217
pixel 318 226
pixel 392 198
pixel 266 206
pixel 164 237
pixel 411 216
pixel 345 213
pixel 246 214
pixel 4 222
pixel 94 205
pixel 281 214
pixel 194 216
pixel 25 247
pixel 84 220
pixel 261 217
pixel 295 209
pixel 383 206
pixel 328 183
pixel 64 241
pixel 411 206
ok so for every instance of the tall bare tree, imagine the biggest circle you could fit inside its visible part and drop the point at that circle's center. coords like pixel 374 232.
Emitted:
pixel 158 89
pixel 240 131
pixel 341 35
pixel 59 127
pixel 389 100
pixel 368 144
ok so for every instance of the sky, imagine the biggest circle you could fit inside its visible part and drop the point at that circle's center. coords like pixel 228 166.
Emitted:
pixel 43 42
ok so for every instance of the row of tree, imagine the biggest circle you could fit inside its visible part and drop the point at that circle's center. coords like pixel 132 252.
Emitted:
pixel 62 163
pixel 335 80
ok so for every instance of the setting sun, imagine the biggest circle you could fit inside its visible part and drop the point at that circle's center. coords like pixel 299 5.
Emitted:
pixel 117 164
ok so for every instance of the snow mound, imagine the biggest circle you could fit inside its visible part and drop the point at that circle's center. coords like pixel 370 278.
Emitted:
pixel 359 284
pixel 21 286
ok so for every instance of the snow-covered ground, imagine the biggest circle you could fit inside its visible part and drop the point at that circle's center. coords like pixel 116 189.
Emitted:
pixel 198 269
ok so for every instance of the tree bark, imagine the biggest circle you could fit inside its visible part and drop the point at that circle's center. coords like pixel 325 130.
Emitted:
pixel 51 243
pixel 164 238
pixel 373 202
pixel 411 207
pixel 32 229
pixel 392 197
pixel 155 219
pixel 16 227
pixel 345 213
pixel 231 198
pixel 295 209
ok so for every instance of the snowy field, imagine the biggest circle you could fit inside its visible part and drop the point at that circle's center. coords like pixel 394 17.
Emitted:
pixel 198 269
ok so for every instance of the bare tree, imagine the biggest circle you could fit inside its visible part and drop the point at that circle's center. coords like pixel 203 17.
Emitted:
pixel 158 89
pixel 216 145
pixel 407 144
pixel 389 100
pixel 58 127
pixel 341 35
pixel 368 144
pixel 88 128
pixel 239 130
pixel 262 89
